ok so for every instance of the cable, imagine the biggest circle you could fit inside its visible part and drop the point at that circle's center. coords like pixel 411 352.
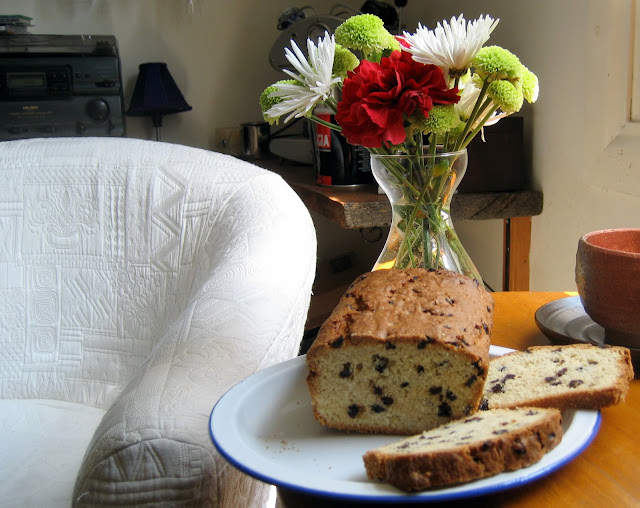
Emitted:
pixel 347 8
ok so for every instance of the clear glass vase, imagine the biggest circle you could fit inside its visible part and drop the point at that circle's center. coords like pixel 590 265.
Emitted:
pixel 420 188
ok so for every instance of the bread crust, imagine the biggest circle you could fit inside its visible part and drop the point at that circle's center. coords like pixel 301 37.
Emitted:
pixel 378 305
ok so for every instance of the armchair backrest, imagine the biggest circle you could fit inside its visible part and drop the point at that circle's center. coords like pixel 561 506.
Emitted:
pixel 105 241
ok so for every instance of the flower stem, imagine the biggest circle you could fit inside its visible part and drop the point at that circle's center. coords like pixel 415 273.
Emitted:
pixel 325 123
pixel 475 131
pixel 472 118
pixel 397 171
pixel 332 104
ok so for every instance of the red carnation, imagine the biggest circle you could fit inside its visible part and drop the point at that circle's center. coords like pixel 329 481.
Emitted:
pixel 376 98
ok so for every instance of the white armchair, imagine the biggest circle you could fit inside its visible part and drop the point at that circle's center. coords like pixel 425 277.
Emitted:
pixel 138 282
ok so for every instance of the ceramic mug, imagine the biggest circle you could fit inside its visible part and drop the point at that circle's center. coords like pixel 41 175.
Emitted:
pixel 608 280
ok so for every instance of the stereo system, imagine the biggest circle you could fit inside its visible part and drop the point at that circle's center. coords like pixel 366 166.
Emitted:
pixel 60 85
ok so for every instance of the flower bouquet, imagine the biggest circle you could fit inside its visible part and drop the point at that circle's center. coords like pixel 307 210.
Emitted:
pixel 415 101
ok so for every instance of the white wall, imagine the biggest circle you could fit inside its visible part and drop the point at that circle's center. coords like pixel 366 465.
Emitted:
pixel 217 53
pixel 581 158
pixel 579 49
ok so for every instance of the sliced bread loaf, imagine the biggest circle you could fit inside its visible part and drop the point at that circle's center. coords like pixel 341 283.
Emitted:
pixel 402 352
pixel 573 376
pixel 475 447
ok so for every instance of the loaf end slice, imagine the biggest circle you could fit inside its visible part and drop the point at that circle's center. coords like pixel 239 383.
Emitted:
pixel 479 446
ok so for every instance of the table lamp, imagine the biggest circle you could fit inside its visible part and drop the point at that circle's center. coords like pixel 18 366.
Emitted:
pixel 156 94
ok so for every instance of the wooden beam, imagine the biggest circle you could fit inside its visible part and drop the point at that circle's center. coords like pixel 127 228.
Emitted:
pixel 517 245
pixel 362 206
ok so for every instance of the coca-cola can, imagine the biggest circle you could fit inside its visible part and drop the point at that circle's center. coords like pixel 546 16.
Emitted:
pixel 336 162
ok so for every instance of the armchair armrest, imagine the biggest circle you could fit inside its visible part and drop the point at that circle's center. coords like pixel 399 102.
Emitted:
pixel 248 302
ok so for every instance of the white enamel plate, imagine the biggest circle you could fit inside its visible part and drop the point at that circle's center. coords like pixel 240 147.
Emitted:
pixel 264 426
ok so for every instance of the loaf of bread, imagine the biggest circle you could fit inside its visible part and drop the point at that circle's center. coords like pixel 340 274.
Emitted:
pixel 475 447
pixel 573 376
pixel 402 352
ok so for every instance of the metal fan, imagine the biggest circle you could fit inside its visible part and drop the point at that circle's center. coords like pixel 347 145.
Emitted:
pixel 298 27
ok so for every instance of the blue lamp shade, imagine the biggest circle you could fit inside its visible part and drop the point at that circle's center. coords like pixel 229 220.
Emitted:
pixel 156 94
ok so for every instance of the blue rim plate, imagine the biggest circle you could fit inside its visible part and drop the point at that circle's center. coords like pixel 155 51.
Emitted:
pixel 264 426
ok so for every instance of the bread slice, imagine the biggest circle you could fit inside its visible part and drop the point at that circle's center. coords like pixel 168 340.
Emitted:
pixel 402 352
pixel 475 447
pixel 572 376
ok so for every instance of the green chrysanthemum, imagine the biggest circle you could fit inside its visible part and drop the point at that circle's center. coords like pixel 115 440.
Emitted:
pixel 493 62
pixel 344 61
pixel 364 32
pixel 393 44
pixel 267 102
pixel 530 87
pixel 457 131
pixel 506 95
pixel 441 119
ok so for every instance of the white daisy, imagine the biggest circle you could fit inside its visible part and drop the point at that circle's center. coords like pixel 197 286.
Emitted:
pixel 297 101
pixel 451 46
pixel 315 77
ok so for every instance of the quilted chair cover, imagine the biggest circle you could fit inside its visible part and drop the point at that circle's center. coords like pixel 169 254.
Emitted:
pixel 138 282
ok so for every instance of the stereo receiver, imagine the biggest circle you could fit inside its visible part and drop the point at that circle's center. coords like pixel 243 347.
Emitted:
pixel 60 85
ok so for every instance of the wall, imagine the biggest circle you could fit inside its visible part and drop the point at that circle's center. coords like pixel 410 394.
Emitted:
pixel 217 52
pixel 582 156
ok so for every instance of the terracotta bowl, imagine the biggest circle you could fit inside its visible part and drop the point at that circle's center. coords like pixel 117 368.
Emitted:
pixel 608 280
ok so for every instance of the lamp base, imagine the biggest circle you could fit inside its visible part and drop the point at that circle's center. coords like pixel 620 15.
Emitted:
pixel 157 123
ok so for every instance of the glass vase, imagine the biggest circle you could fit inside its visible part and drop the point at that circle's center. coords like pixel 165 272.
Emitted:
pixel 420 188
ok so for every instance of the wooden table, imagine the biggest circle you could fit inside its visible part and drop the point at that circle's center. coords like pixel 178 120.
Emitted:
pixel 605 475
pixel 363 207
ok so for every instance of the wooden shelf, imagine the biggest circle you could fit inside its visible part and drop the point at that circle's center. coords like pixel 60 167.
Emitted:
pixel 362 207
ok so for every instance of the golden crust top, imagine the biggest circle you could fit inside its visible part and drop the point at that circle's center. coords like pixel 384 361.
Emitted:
pixel 411 305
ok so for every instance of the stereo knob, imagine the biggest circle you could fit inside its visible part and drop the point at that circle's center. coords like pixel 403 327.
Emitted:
pixel 98 110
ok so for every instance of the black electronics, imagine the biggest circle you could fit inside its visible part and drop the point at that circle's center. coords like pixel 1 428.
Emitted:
pixel 60 85
pixel 387 13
